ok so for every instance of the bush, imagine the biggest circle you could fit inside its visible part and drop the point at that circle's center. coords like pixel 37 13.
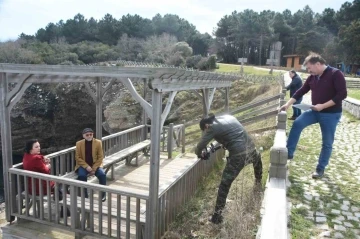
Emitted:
pixel 192 61
pixel 203 64
pixel 176 60
pixel 212 62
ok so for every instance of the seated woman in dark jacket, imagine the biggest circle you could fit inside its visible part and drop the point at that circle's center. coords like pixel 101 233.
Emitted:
pixel 34 161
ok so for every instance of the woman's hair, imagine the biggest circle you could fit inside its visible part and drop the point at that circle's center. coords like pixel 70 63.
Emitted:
pixel 29 145
pixel 207 120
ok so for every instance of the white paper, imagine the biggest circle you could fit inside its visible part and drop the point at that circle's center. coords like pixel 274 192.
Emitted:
pixel 303 107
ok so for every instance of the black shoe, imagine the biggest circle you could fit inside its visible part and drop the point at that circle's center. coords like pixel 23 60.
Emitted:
pixel 216 218
pixel 318 174
pixel 68 214
pixel 103 197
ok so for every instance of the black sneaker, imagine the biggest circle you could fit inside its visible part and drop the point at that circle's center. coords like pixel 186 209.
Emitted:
pixel 216 218
pixel 103 197
pixel 62 212
pixel 318 174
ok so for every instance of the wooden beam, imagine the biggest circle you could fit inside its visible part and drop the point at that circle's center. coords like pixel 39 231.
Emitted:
pixel 205 96
pixel 152 210
pixel 227 96
pixel 16 89
pixel 146 106
pixel 90 91
pixel 211 97
pixel 99 111
pixel 167 107
pixel 18 96
pixel 107 86
pixel 6 142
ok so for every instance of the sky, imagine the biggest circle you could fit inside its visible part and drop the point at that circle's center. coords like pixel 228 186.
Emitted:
pixel 27 16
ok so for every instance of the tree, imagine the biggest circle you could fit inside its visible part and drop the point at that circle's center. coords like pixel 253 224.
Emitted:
pixel 136 26
pixel 327 20
pixel 76 30
pixel 349 41
pixel 109 30
pixel 183 49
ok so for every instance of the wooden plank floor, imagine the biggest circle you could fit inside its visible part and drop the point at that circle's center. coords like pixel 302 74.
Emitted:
pixel 131 178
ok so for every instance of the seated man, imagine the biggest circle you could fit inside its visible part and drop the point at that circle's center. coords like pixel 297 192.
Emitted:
pixel 89 158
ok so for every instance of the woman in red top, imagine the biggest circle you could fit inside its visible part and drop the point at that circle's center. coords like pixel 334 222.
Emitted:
pixel 34 161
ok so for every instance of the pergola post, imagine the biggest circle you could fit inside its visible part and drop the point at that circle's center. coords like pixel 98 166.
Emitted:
pixel 154 165
pixel 144 116
pixel 227 89
pixel 6 141
pixel 99 111
pixel 205 95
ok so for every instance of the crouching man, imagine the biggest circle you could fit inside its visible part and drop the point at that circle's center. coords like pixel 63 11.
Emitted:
pixel 228 131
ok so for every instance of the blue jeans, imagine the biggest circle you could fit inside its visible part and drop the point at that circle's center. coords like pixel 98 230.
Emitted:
pixel 328 123
pixel 296 111
pixel 99 173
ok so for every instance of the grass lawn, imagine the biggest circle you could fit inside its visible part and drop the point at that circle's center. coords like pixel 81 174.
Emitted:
pixel 354 93
pixel 236 69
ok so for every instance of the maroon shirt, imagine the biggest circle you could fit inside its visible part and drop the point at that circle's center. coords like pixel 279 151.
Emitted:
pixel 330 85
pixel 88 153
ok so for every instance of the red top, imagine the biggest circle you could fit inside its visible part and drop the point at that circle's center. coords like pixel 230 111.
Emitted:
pixel 35 163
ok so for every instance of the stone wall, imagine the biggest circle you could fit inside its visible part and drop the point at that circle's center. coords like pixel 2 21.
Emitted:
pixel 352 106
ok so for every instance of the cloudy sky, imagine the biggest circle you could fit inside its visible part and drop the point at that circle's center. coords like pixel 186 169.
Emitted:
pixel 27 16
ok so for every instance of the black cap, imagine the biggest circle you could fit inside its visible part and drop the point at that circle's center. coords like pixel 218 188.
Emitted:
pixel 87 130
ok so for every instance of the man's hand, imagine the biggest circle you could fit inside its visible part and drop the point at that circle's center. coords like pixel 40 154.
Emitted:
pixel 318 107
pixel 89 169
pixel 284 107
pixel 91 173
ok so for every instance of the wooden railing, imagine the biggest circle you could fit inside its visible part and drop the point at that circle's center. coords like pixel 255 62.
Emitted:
pixel 172 137
pixel 121 216
pixel 172 197
pixel 275 214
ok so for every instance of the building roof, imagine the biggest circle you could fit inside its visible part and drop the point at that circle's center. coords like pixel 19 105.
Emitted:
pixel 292 55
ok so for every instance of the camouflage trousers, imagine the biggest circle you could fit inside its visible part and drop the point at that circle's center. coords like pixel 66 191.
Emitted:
pixel 232 169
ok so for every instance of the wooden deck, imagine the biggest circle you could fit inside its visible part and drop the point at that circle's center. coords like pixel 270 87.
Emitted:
pixel 126 177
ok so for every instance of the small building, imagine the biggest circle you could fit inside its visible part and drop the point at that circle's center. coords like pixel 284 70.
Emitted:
pixel 294 61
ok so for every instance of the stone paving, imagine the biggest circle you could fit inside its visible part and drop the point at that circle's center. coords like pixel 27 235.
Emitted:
pixel 333 202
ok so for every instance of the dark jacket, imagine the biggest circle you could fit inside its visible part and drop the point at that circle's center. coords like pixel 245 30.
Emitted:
pixel 35 163
pixel 296 83
pixel 228 131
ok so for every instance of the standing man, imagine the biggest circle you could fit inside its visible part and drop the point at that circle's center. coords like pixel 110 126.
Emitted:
pixel 89 158
pixel 228 131
pixel 328 89
pixel 296 83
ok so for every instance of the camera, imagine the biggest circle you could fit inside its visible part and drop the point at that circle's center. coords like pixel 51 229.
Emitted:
pixel 205 154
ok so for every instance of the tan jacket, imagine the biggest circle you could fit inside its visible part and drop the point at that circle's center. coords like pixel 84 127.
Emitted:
pixel 97 154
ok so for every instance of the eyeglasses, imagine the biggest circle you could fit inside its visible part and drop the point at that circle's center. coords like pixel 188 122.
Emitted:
pixel 87 135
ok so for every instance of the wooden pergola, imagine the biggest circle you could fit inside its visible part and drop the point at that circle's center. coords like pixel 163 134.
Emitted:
pixel 159 80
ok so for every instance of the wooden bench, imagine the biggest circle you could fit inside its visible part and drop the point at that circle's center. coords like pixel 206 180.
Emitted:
pixel 127 154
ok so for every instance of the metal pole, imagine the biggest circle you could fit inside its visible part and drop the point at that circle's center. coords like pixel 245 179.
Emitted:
pixel 99 108
pixel 154 165
pixel 6 142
